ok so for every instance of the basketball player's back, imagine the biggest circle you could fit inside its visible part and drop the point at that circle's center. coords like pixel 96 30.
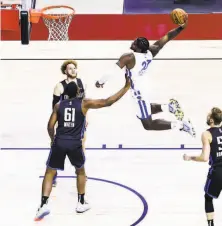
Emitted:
pixel 71 120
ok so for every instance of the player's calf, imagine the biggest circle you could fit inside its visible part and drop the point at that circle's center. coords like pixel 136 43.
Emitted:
pixel 209 208
pixel 159 124
pixel 172 107
pixel 82 205
pixel 46 190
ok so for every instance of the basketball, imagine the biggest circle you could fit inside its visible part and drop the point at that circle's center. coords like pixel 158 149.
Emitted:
pixel 179 16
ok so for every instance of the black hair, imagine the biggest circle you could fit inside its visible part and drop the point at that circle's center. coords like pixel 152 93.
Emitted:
pixel 143 44
pixel 72 89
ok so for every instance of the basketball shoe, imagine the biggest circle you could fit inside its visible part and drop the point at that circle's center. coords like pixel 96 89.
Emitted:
pixel 175 108
pixel 42 212
pixel 81 208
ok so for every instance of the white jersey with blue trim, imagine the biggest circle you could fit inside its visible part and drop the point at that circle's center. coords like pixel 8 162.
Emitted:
pixel 138 83
pixel 136 74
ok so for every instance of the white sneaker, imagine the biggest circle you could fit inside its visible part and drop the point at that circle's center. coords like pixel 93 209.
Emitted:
pixel 81 208
pixel 41 213
pixel 188 127
pixel 175 108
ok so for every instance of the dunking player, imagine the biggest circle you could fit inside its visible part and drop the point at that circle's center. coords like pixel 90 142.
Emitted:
pixel 70 115
pixel 137 64
pixel 212 150
pixel 68 68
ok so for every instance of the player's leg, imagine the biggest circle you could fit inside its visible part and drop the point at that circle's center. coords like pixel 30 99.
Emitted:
pixel 144 113
pixel 83 147
pixel 77 159
pixel 209 209
pixel 54 182
pixel 55 162
pixel 212 191
pixel 172 107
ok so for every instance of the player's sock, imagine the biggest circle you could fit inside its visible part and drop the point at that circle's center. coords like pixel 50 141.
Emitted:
pixel 165 107
pixel 81 198
pixel 177 125
pixel 210 222
pixel 44 200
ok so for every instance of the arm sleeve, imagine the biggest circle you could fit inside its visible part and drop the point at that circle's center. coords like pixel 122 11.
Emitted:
pixel 113 70
pixel 56 99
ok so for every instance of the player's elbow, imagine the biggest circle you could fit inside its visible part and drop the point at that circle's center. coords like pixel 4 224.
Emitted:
pixel 205 159
pixel 50 126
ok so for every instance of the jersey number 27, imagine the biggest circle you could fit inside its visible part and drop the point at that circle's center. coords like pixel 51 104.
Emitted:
pixel 145 64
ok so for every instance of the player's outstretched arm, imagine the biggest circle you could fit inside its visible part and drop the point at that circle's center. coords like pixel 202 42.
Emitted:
pixel 100 103
pixel 158 45
pixel 123 61
pixel 204 157
pixel 52 121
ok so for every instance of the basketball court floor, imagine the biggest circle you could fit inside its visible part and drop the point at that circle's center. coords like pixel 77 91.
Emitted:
pixel 125 187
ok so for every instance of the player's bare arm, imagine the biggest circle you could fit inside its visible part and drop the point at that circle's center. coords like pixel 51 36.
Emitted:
pixel 58 90
pixel 52 122
pixel 100 103
pixel 204 157
pixel 158 45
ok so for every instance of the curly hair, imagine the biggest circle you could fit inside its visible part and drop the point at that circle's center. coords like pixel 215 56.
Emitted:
pixel 65 63
pixel 216 115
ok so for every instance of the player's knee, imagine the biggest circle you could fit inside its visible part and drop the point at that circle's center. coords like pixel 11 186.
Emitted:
pixel 50 172
pixel 80 171
pixel 209 208
pixel 147 124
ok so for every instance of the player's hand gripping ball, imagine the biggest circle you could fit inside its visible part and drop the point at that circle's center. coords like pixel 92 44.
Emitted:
pixel 179 16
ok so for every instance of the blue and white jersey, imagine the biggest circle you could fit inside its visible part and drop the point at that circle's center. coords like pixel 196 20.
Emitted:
pixel 138 82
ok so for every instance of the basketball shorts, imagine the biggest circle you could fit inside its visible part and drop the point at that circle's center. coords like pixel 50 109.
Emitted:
pixel 213 185
pixel 62 148
pixel 141 105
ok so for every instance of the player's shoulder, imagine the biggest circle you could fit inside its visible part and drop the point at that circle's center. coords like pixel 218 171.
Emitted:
pixel 127 57
pixel 206 135
pixel 58 89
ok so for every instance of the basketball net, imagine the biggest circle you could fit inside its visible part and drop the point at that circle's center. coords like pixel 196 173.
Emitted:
pixel 57 19
pixel 58 28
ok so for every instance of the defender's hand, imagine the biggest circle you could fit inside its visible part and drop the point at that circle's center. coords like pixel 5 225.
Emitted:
pixel 98 85
pixel 127 84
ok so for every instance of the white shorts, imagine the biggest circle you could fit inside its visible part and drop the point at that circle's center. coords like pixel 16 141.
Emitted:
pixel 141 104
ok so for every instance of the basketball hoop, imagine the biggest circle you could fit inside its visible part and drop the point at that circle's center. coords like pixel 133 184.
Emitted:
pixel 56 18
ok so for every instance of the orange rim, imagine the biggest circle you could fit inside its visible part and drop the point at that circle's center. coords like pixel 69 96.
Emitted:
pixel 50 16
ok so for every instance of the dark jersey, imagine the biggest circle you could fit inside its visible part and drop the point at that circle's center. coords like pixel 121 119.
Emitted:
pixel 216 146
pixel 81 94
pixel 71 121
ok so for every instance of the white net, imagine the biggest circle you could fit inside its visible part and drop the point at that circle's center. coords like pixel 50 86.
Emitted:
pixel 58 24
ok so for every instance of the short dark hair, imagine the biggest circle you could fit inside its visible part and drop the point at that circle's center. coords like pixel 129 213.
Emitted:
pixel 216 115
pixel 143 44
pixel 72 89
pixel 67 62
